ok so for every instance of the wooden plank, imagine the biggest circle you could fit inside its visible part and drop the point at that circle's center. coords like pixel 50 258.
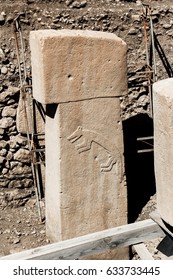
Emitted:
pixel 142 252
pixel 91 244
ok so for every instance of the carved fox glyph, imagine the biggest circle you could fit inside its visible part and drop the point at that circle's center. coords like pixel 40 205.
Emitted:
pixel 88 137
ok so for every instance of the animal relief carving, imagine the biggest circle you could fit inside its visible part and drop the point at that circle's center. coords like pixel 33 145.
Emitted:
pixel 88 137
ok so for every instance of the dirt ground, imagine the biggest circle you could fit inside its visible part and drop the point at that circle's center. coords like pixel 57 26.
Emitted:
pixel 20 227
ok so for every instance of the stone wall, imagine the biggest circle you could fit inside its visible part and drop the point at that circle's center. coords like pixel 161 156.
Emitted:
pixel 15 160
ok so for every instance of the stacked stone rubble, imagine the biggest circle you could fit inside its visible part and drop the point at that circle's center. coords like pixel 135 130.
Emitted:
pixel 15 160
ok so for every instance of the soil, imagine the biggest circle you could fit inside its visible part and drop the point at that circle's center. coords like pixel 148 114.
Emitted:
pixel 20 227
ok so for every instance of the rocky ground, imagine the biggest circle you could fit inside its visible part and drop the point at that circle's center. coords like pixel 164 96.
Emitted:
pixel 20 227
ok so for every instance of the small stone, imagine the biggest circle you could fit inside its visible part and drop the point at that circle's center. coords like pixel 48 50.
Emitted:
pixel 15 184
pixel 21 170
pixel 20 184
pixel 14 163
pixel 9 18
pixel 13 90
pixel 13 143
pixel 2 55
pixel 7 50
pixel 69 2
pixel 4 70
pixel 12 131
pixel 2 19
pixel 4 184
pixel 55 26
pixel 9 155
pixel 75 4
pixel 132 31
pixel 83 4
pixel 167 26
pixel 9 112
pixel 3 152
pixel 42 204
pixel 26 21
pixel 21 140
pixel 6 122
pixel 27 183
pixel 12 103
pixel 4 171
pixel 23 156
pixel 4 96
pixel 16 240
pixel 2 159
pixel 3 144
pixel 12 68
pixel 1 131
pixel 7 231
pixel 136 18
pixel 143 99
pixel 12 54
pixel 56 20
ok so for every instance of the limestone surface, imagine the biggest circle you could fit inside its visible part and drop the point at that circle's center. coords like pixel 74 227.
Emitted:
pixel 80 76
pixel 163 147
pixel 96 65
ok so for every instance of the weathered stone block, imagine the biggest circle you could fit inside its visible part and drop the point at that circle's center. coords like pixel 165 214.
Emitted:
pixel 6 122
pixel 85 178
pixel 77 65
pixel 23 156
pixel 8 112
pixel 163 147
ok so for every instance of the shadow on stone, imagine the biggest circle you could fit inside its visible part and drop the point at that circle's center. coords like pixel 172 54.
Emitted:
pixel 139 167
pixel 51 110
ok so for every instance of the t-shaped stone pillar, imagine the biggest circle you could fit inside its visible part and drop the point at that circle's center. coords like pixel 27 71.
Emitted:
pixel 80 75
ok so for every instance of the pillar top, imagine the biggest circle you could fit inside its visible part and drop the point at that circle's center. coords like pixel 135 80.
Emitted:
pixel 164 87
pixel 73 65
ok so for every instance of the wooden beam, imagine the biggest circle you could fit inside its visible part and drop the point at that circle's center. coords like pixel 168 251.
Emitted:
pixel 142 251
pixel 91 244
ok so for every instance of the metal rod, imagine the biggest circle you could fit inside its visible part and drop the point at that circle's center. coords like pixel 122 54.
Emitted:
pixel 39 163
pixel 145 151
pixel 145 138
pixel 23 94
pixel 38 150
pixel 153 47
pixel 15 26
pixel 147 57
